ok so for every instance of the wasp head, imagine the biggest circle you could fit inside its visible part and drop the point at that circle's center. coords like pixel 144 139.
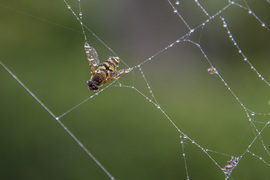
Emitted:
pixel 92 85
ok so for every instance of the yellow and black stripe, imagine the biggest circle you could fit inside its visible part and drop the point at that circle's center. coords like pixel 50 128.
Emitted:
pixel 110 65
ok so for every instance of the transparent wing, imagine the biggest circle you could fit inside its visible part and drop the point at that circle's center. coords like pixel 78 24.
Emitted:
pixel 121 73
pixel 91 55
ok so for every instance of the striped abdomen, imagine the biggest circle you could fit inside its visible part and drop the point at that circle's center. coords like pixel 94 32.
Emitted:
pixel 109 65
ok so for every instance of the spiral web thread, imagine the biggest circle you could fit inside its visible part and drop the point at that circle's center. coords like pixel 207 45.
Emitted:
pixel 184 138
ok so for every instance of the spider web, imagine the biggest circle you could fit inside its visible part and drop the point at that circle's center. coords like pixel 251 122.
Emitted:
pixel 200 119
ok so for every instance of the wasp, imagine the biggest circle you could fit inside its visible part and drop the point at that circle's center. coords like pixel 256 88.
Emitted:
pixel 106 71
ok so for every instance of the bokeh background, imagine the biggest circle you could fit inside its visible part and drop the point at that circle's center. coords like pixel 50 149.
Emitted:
pixel 42 43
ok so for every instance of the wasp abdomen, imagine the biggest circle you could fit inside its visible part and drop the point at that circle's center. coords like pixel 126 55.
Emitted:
pixel 110 65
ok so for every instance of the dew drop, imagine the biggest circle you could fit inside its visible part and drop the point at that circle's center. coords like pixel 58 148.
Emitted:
pixel 177 2
pixel 253 114
pixel 175 10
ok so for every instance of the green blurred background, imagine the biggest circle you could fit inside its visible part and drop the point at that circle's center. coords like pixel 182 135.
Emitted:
pixel 42 43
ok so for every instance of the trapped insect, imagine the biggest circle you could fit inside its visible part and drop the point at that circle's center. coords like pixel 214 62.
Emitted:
pixel 231 165
pixel 106 71
pixel 212 70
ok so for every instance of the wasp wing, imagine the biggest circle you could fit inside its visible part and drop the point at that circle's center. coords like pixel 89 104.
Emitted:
pixel 91 55
pixel 121 72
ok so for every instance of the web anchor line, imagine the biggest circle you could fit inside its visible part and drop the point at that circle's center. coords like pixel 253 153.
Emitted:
pixel 57 119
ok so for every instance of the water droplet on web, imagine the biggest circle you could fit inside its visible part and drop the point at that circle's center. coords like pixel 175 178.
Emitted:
pixel 177 2
pixel 253 114
pixel 175 10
